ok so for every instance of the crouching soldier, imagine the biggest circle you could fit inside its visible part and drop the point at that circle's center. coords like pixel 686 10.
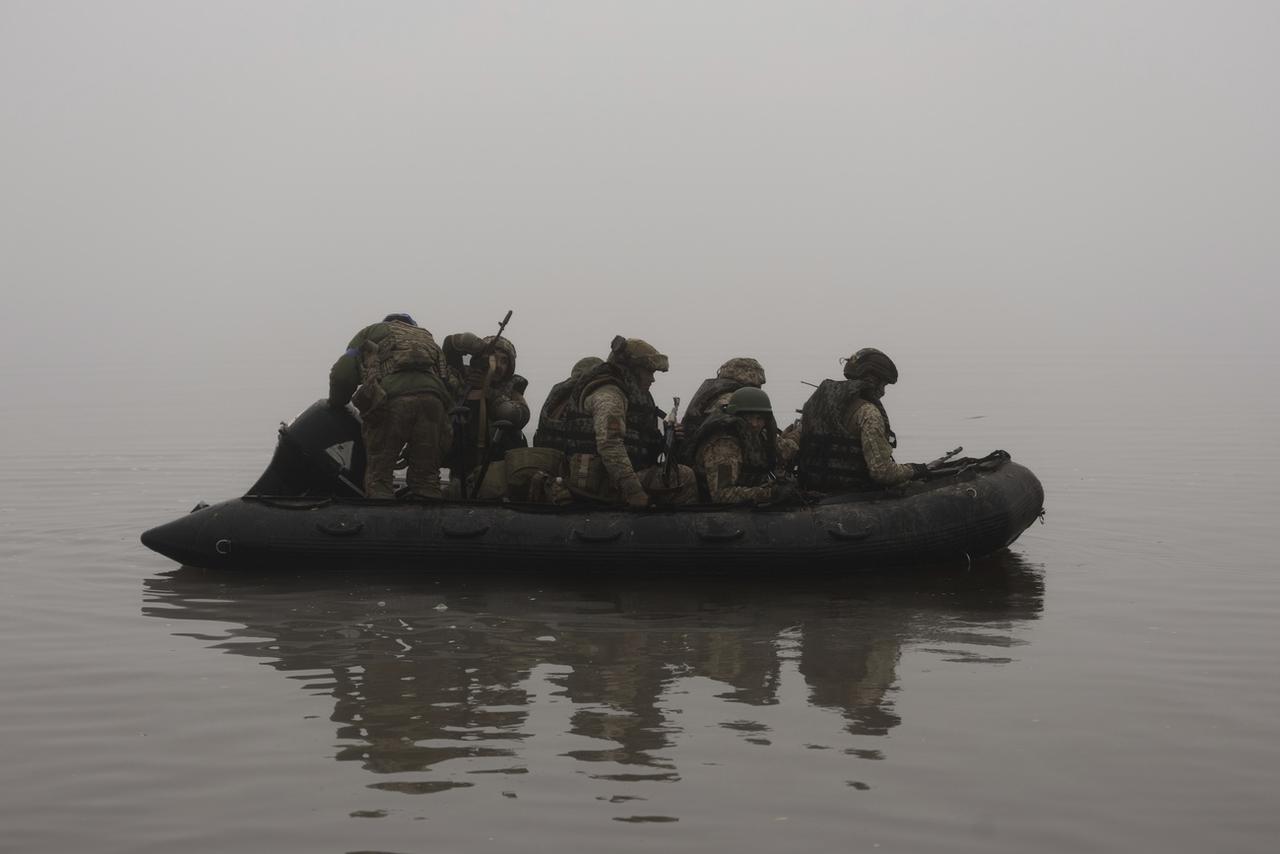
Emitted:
pixel 394 374
pixel 735 452
pixel 846 443
pixel 617 461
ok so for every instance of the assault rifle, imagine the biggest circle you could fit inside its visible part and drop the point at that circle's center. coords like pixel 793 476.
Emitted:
pixel 669 441
pixel 933 464
pixel 460 411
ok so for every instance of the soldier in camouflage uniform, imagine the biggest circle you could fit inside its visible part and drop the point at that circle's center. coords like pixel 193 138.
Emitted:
pixel 714 393
pixel 551 420
pixel 616 459
pixel 503 398
pixel 394 374
pixel 846 443
pixel 735 452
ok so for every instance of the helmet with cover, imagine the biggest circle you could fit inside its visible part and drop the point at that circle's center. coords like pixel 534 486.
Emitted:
pixel 637 354
pixel 742 369
pixel 505 347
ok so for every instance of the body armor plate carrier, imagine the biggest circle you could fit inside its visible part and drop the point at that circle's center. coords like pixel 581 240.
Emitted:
pixel 574 433
pixel 830 457
pixel 759 455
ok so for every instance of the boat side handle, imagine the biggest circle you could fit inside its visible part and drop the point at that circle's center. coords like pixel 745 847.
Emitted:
pixel 605 537
pixel 340 527
pixel 720 536
pixel 465 533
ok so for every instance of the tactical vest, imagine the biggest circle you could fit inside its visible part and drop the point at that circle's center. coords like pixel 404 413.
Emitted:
pixel 403 348
pixel 758 454
pixel 563 427
pixel 575 433
pixel 830 457
pixel 696 412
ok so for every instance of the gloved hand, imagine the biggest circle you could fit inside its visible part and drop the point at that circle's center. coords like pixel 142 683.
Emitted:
pixel 633 493
pixel 787 492
pixel 469 342
pixel 476 371
pixel 919 471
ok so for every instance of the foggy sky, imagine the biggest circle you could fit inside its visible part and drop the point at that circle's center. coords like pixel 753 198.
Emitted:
pixel 192 182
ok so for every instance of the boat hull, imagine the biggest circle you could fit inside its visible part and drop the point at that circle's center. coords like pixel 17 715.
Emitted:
pixel 965 515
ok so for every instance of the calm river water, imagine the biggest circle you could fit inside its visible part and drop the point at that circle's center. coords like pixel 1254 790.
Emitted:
pixel 1110 683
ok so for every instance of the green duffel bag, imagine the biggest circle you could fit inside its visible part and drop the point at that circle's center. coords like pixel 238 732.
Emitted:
pixel 494 487
pixel 523 466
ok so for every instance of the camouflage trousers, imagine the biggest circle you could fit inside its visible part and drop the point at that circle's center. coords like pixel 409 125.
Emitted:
pixel 415 423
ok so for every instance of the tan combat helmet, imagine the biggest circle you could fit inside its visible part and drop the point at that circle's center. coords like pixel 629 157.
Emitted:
pixel 742 369
pixel 636 353
pixel 506 347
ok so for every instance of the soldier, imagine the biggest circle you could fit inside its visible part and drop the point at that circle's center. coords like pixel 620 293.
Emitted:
pixel 714 392
pixel 494 381
pixel 617 460
pixel 551 420
pixel 735 452
pixel 402 398
pixel 846 444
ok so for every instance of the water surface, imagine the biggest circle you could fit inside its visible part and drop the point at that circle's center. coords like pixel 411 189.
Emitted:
pixel 1109 683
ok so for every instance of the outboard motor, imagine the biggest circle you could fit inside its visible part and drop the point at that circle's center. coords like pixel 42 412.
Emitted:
pixel 320 453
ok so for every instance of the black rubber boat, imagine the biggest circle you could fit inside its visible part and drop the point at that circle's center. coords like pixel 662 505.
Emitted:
pixel 305 514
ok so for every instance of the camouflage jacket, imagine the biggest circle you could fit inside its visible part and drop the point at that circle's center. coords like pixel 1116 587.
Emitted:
pixel 398 358
pixel 734 464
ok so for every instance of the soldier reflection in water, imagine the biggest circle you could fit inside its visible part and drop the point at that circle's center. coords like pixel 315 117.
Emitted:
pixel 412 692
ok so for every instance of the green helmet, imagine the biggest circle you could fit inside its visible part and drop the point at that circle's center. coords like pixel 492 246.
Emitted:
pixel 749 399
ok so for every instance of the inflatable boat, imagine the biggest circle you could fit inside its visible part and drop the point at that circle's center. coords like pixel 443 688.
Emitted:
pixel 305 513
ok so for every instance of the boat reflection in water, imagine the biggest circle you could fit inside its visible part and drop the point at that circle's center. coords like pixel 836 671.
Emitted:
pixel 439 683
